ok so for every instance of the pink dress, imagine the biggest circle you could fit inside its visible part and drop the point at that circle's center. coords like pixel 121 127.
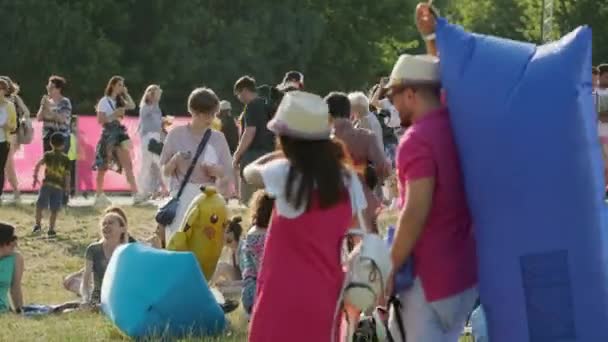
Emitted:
pixel 301 275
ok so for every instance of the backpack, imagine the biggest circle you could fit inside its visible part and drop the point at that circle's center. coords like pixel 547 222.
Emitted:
pixel 367 268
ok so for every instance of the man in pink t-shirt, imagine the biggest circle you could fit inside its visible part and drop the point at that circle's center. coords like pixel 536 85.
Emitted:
pixel 434 227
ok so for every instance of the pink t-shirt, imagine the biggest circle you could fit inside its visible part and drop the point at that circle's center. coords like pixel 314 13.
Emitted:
pixel 444 255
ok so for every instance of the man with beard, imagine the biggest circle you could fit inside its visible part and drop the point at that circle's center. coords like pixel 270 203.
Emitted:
pixel 435 225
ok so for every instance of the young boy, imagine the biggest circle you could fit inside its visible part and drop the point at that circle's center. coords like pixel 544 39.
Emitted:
pixel 56 182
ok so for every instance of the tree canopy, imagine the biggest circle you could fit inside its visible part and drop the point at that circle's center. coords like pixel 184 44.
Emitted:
pixel 339 44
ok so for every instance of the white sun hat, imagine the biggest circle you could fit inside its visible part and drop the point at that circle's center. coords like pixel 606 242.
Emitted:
pixel 415 70
pixel 301 115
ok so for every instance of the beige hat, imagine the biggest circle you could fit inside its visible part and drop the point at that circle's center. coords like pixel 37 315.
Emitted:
pixel 225 105
pixel 301 115
pixel 415 70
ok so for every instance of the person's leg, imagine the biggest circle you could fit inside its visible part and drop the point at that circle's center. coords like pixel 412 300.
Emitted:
pixel 4 151
pixel 418 318
pixel 452 313
pixel 145 172
pixel 9 169
pixel 72 282
pixel 125 161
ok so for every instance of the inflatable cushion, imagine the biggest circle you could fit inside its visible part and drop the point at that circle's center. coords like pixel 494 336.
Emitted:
pixel 149 292
pixel 525 127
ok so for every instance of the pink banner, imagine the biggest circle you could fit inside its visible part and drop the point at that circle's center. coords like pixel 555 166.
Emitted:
pixel 88 135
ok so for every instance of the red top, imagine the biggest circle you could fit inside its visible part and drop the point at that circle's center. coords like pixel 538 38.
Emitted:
pixel 444 255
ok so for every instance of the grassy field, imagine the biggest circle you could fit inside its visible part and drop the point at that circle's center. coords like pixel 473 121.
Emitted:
pixel 48 261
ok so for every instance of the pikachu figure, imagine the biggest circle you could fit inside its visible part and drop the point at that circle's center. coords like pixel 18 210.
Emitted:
pixel 202 231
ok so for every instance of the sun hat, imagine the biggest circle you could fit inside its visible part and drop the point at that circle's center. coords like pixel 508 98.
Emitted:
pixel 415 70
pixel 301 115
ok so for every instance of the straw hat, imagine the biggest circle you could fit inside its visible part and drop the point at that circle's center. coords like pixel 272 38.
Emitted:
pixel 301 115
pixel 415 70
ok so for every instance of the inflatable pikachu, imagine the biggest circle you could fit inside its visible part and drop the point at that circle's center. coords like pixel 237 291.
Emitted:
pixel 202 231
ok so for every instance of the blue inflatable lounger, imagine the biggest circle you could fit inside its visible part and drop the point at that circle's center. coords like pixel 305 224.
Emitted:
pixel 150 292
pixel 526 131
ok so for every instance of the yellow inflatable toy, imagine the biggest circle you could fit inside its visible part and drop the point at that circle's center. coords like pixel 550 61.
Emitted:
pixel 202 231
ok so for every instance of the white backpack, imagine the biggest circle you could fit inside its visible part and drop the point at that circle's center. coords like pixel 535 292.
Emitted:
pixel 367 268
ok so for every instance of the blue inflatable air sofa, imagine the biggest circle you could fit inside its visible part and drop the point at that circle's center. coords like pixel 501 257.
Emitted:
pixel 150 292
pixel 526 131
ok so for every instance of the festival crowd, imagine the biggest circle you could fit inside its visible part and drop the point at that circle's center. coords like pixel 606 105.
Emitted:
pixel 305 165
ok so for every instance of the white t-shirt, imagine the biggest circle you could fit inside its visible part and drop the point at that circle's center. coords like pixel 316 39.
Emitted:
pixel 394 121
pixel 274 175
pixel 106 105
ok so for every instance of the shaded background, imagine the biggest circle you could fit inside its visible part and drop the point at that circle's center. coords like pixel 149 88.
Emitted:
pixel 180 44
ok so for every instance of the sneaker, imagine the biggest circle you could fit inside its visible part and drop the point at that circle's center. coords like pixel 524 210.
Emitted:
pixel 140 199
pixel 102 201
pixel 37 229
pixel 52 233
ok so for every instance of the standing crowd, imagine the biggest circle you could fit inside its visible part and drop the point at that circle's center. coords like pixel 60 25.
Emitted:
pixel 312 169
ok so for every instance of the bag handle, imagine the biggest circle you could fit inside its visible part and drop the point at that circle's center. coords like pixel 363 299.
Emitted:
pixel 199 151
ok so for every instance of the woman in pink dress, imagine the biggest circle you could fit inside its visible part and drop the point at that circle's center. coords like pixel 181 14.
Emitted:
pixel 316 196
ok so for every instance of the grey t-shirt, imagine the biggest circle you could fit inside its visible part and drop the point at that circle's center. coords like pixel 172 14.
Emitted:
pixel 95 254
pixel 150 117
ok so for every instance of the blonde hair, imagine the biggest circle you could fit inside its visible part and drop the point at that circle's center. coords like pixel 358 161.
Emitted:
pixel 145 98
pixel 121 221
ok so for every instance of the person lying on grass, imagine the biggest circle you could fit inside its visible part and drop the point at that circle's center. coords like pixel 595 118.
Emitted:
pixel 11 270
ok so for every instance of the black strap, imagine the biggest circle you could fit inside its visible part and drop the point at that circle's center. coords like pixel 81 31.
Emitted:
pixel 396 304
pixel 110 103
pixel 199 151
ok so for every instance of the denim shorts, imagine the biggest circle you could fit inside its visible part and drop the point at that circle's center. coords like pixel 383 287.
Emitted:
pixel 50 197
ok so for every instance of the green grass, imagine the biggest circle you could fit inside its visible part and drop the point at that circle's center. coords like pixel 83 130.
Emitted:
pixel 48 261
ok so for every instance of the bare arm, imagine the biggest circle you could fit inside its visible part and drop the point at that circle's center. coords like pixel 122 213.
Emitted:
pixel 170 167
pixel 85 286
pixel 252 172
pixel 426 18
pixel 37 171
pixel 419 198
pixel 244 144
pixel 19 103
pixel 129 103
pixel 16 291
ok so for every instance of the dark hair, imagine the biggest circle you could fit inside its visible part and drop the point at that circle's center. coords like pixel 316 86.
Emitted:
pixel 57 140
pixel 244 83
pixel 293 76
pixel 261 206
pixel 118 211
pixel 603 68
pixel 111 83
pixel 339 105
pixel 316 165
pixel 595 70
pixel 7 234
pixel 203 100
pixel 234 227
pixel 59 82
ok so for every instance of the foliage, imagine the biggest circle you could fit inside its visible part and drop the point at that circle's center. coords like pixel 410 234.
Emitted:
pixel 340 44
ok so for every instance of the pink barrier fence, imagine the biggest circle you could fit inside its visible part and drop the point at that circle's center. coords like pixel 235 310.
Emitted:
pixel 88 134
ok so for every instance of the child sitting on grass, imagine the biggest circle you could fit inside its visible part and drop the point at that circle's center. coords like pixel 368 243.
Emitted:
pixel 55 185
pixel 253 247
